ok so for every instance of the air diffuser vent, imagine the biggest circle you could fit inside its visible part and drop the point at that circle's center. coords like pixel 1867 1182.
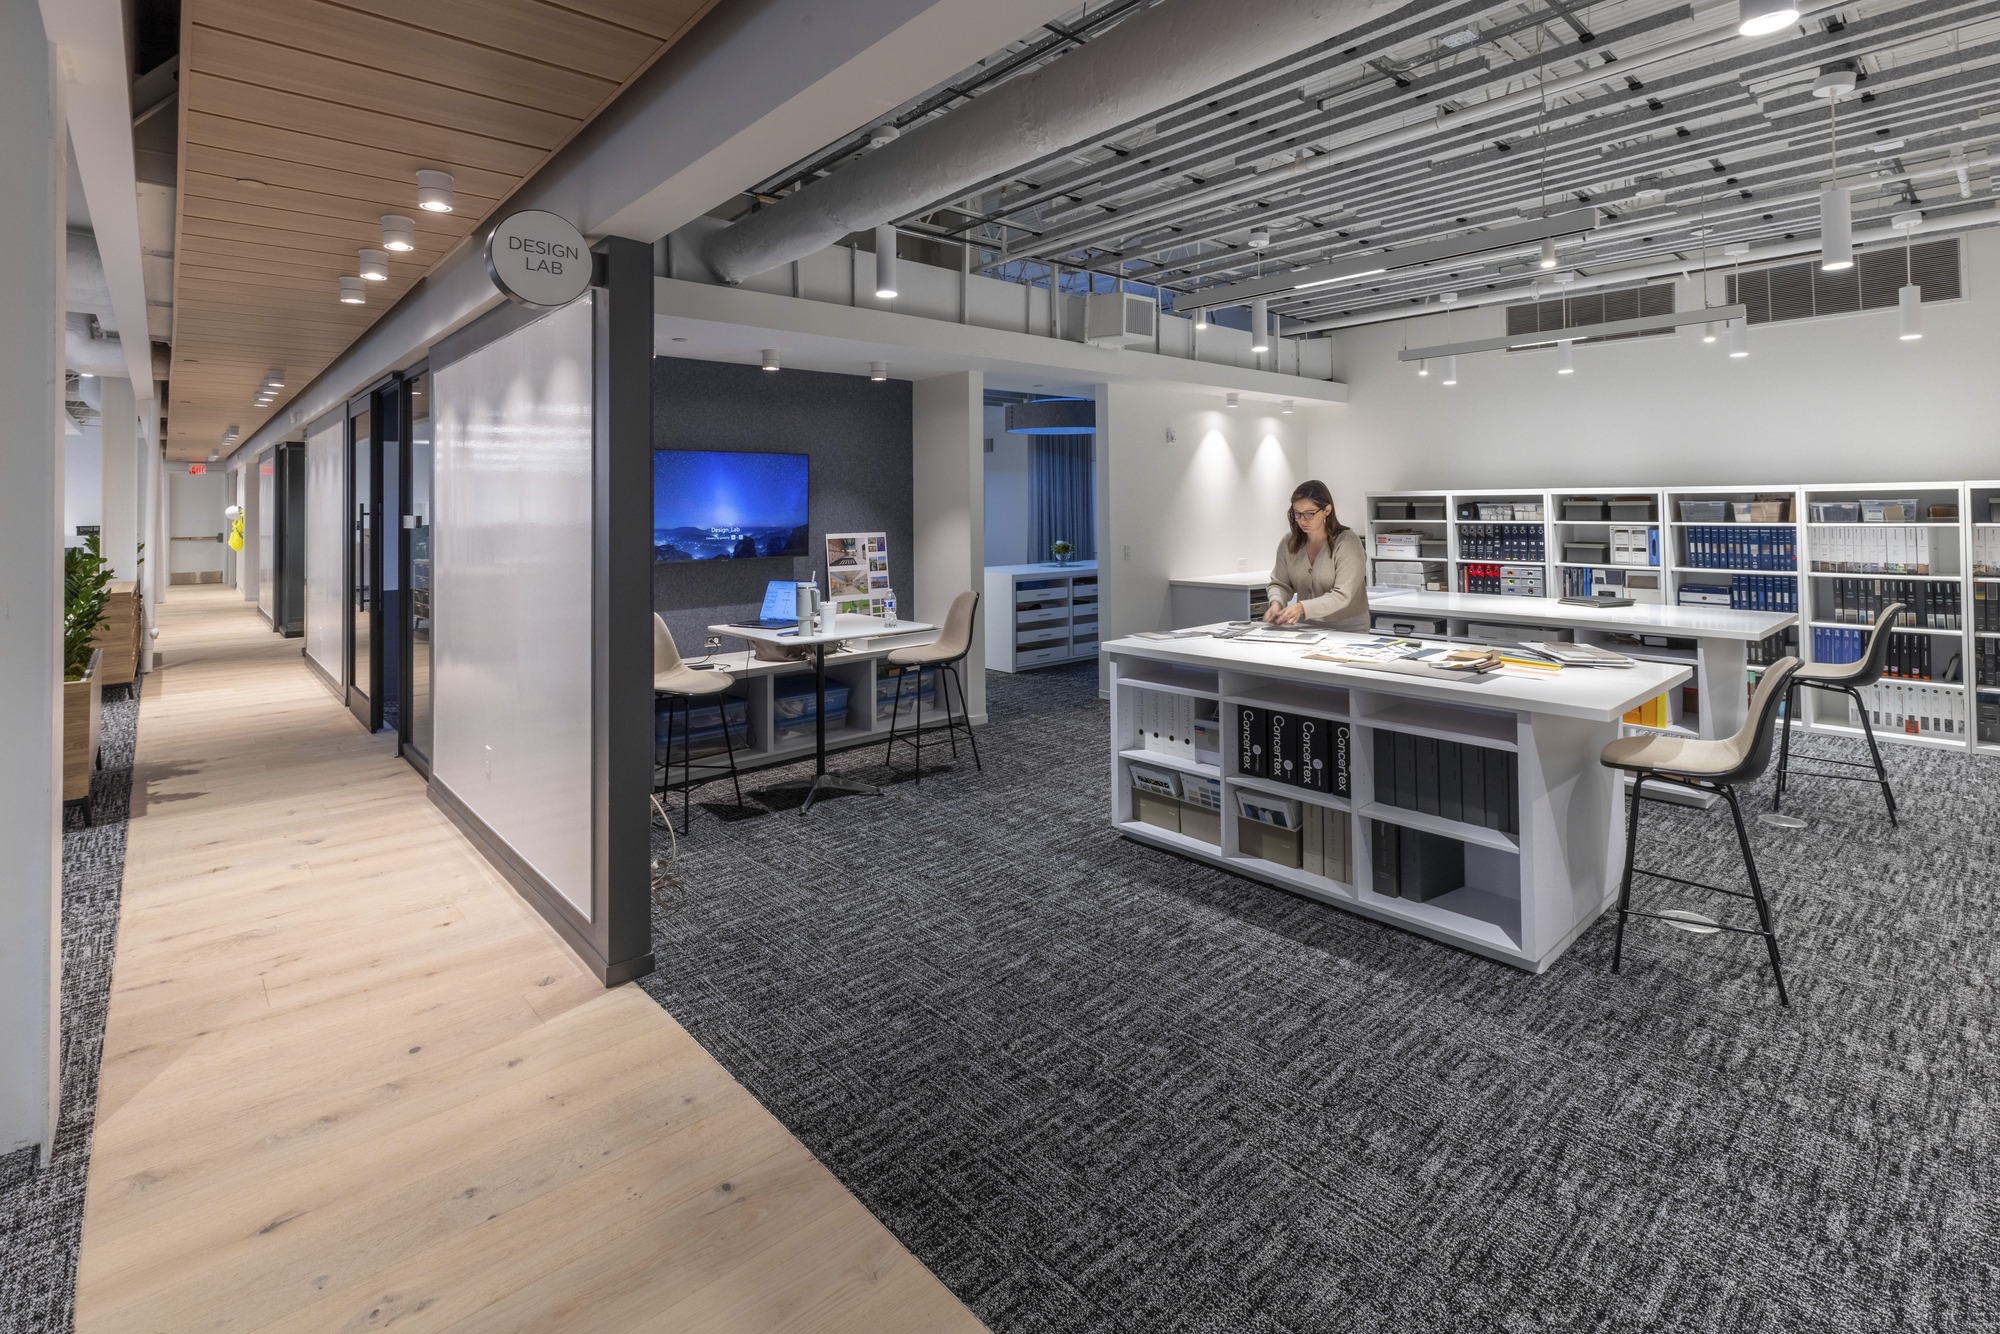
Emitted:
pixel 1804 291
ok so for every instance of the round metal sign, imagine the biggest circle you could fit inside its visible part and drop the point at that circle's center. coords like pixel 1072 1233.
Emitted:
pixel 537 259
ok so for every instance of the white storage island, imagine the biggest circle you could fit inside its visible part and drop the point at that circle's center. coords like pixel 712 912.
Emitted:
pixel 1470 810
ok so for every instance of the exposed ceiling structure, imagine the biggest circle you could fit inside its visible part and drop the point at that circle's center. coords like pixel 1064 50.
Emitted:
pixel 1441 121
pixel 303 124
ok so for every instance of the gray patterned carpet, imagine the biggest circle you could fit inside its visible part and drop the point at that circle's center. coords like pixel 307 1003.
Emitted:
pixel 41 1209
pixel 1097 1087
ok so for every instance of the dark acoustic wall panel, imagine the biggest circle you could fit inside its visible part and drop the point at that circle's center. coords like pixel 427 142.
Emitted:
pixel 858 434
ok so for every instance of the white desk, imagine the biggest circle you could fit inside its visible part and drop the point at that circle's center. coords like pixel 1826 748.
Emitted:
pixel 1527 896
pixel 846 627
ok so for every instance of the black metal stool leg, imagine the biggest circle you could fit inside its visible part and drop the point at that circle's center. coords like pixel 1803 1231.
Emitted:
pixel 970 737
pixel 1785 742
pixel 1757 893
pixel 1625 883
pixel 895 713
pixel 950 723
pixel 687 759
pixel 729 746
pixel 920 725
pixel 1875 753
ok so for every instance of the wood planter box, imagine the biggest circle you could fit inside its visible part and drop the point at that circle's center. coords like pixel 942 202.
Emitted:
pixel 119 636
pixel 82 709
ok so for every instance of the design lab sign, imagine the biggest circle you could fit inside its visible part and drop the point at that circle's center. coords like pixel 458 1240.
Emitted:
pixel 538 259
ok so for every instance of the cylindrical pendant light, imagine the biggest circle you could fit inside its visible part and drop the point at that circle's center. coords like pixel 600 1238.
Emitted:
pixel 878 371
pixel 374 266
pixel 1285 408
pixel 1565 357
pixel 1548 252
pixel 885 263
pixel 1424 366
pixel 1739 338
pixel 1201 318
pixel 1260 325
pixel 1836 229
pixel 1708 332
pixel 1755 18
pixel 1909 308
pixel 398 232
pixel 1450 370
pixel 1230 400
pixel 434 191
pixel 770 362
pixel 353 292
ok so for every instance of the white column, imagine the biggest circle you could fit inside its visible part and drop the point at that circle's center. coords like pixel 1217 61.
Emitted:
pixel 950 518
pixel 31 385
pixel 120 539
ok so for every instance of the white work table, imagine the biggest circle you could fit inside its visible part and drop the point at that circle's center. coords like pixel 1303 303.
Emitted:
pixel 1526 895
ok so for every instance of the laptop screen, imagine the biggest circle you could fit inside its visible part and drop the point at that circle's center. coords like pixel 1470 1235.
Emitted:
pixel 781 601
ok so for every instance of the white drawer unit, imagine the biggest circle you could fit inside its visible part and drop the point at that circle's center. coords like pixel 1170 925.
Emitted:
pixel 1040 614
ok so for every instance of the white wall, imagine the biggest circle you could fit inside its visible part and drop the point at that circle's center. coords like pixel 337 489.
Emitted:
pixel 948 494
pixel 194 509
pixel 1008 522
pixel 120 492
pixel 31 508
pixel 326 545
pixel 83 482
pixel 1830 400
pixel 1209 501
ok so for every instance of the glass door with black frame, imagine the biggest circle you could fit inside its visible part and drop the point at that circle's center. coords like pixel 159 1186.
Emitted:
pixel 417 623
pixel 361 569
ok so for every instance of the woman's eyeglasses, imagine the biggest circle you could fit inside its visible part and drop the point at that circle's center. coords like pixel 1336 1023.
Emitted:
pixel 1314 512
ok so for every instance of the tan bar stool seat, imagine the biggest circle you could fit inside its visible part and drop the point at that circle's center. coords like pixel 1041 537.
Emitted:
pixel 942 655
pixel 673 678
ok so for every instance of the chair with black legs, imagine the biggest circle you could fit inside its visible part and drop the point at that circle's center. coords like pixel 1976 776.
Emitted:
pixel 1705 766
pixel 1841 678
pixel 941 656
pixel 682 685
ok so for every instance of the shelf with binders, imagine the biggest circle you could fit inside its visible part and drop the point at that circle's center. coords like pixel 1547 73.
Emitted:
pixel 1271 787
pixel 1444 722
pixel 1897 629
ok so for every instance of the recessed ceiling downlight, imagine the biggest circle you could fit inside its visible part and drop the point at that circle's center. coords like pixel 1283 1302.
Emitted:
pixel 353 292
pixel 434 191
pixel 1759 18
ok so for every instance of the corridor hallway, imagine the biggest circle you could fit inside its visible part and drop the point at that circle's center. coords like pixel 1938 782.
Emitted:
pixel 351 1081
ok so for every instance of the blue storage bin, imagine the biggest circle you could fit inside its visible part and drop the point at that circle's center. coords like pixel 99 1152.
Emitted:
pixel 704 731
pixel 885 694
pixel 794 706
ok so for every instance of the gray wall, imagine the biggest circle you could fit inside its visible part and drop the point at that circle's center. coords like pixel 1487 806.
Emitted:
pixel 858 434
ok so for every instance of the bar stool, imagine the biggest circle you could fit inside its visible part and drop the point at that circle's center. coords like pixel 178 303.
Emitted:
pixel 1843 678
pixel 942 656
pixel 683 684
pixel 1705 766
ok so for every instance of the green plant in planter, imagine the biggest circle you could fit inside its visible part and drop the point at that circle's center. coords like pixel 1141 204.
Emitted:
pixel 86 593
pixel 1062 551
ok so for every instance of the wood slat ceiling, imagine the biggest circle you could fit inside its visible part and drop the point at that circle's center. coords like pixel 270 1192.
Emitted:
pixel 302 123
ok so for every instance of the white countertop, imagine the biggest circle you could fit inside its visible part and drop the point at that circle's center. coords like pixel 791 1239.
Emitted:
pixel 1244 579
pixel 844 627
pixel 1047 567
pixel 1600 694
pixel 1639 618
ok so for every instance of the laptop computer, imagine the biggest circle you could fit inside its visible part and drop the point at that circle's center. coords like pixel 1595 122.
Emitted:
pixel 780 610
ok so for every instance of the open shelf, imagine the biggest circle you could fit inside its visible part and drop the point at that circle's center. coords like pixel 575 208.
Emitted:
pixel 1477 914
pixel 1913 523
pixel 1271 787
pixel 1292 877
pixel 1437 824
pixel 1710 569
pixel 1169 838
pixel 1885 734
pixel 1173 762
pixel 1741 523
pixel 1319 701
pixel 1169 678
pixel 1445 723
pixel 1886 574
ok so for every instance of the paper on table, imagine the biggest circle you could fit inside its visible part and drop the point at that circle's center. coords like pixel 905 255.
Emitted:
pixel 1370 650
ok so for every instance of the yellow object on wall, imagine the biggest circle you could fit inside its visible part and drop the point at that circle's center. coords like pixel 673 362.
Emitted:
pixel 236 534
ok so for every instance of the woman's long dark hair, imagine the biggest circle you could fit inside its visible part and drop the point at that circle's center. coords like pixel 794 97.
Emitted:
pixel 1317 493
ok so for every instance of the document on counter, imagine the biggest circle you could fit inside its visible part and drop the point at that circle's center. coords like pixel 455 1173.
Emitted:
pixel 1583 655
pixel 1272 634
pixel 1371 650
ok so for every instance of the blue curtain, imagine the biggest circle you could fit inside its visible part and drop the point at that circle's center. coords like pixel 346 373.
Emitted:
pixel 1062 495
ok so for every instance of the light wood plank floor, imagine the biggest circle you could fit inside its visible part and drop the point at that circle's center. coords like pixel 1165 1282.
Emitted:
pixel 351 1081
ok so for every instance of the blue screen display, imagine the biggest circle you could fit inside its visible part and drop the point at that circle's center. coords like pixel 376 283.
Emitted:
pixel 728 506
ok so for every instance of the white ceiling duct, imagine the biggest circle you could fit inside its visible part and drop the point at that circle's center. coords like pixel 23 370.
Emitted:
pixel 1151 61
pixel 84 355
pixel 85 288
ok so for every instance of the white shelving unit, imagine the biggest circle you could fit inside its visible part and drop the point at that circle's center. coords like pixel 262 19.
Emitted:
pixel 1040 615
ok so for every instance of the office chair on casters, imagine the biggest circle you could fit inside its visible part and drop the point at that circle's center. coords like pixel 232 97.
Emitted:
pixel 1705 766
pixel 941 656
pixel 1843 678
pixel 683 685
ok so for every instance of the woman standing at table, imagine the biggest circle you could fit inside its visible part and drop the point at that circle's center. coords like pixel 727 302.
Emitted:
pixel 1321 564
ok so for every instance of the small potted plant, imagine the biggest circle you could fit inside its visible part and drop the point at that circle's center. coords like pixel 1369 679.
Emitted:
pixel 86 592
pixel 1062 551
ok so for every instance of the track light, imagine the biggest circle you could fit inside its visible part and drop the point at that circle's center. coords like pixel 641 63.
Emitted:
pixel 1909 308
pixel 885 263
pixel 1450 370
pixel 398 232
pixel 353 292
pixel 1260 321
pixel 1201 315
pixel 434 191
pixel 1424 366
pixel 1836 229
pixel 1708 332
pixel 1285 408
pixel 770 362
pixel 1739 338
pixel 1565 357
pixel 878 370
pixel 1548 252
pixel 374 266
pixel 1757 18
pixel 1230 400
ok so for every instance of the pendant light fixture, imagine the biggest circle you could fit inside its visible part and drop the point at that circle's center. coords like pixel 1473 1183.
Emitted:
pixel 1230 400
pixel 398 232
pixel 353 292
pixel 1739 338
pixel 434 191
pixel 1758 18
pixel 1836 205
pixel 374 266
pixel 1565 356
pixel 1424 366
pixel 1548 260
pixel 1201 318
pixel 1450 370
pixel 1909 297
pixel 1285 407
pixel 1260 325
pixel 1450 376
pixel 885 263
pixel 1708 332
pixel 770 362
pixel 878 371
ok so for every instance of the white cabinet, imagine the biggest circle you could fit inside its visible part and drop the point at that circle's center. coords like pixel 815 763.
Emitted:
pixel 1040 615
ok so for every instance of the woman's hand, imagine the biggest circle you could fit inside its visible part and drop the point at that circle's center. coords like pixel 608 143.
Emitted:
pixel 1271 613
pixel 1291 615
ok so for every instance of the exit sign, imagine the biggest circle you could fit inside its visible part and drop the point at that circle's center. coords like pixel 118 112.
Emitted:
pixel 197 469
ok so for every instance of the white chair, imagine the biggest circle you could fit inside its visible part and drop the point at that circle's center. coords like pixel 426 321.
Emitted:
pixel 683 685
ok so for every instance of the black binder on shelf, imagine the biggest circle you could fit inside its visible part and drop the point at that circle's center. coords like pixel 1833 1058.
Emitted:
pixel 1472 785
pixel 1250 758
pixel 1451 803
pixel 1406 771
pixel 1499 790
pixel 1343 785
pixel 1427 774
pixel 1385 765
pixel 1315 750
pixel 1382 850
pixel 1428 864
pixel 1281 746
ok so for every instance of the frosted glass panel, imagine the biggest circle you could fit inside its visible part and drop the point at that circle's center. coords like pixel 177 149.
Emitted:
pixel 511 582
pixel 326 544
pixel 267 519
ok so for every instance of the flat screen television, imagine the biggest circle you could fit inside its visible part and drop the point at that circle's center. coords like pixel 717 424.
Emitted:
pixel 710 505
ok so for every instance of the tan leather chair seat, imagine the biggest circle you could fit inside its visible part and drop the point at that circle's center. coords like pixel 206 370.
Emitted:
pixel 1675 755
pixel 671 676
pixel 950 645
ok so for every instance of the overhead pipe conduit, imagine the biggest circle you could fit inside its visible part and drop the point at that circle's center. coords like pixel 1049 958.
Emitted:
pixel 1151 61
